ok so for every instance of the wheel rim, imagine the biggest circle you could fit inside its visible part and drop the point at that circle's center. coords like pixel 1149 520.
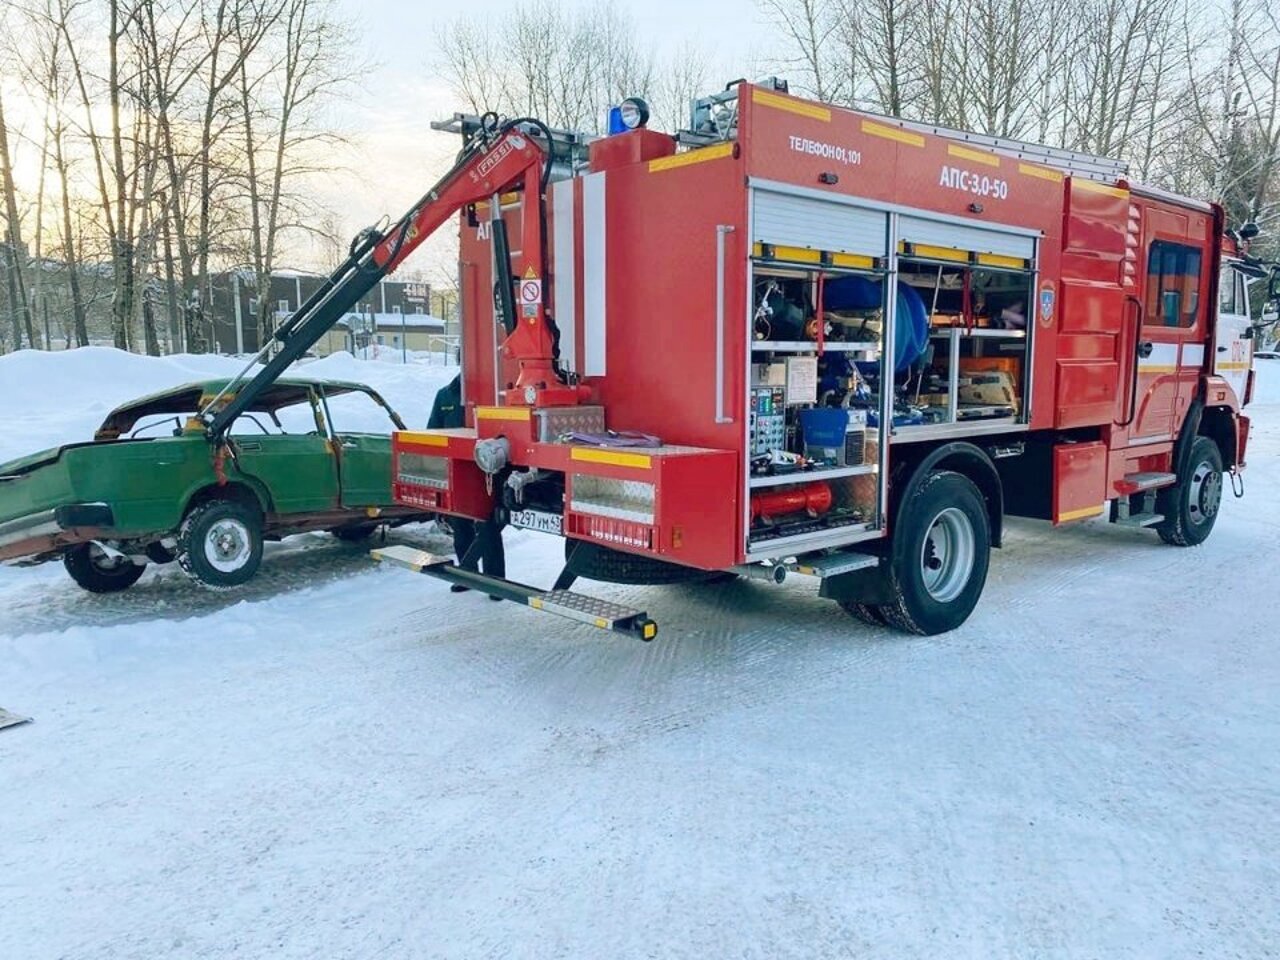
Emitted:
pixel 1205 493
pixel 227 545
pixel 947 555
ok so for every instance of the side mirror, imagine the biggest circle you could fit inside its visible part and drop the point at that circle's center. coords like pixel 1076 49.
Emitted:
pixel 1270 312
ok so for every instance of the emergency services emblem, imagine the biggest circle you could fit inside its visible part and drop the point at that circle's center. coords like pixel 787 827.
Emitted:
pixel 1046 304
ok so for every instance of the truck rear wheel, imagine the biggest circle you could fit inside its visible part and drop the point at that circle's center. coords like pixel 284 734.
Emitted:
pixel 220 543
pixel 98 572
pixel 1190 506
pixel 940 554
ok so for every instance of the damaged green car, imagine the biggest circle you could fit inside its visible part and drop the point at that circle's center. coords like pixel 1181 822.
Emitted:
pixel 150 488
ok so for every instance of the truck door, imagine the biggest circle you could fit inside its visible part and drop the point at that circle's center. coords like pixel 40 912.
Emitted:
pixel 1232 350
pixel 1169 351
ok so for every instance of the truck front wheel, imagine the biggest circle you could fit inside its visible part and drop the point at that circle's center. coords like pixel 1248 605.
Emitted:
pixel 1190 506
pixel 941 550
pixel 220 543
pixel 96 571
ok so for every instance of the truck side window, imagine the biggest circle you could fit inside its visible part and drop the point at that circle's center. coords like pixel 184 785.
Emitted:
pixel 1173 284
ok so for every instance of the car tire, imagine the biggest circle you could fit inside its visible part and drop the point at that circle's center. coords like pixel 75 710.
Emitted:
pixel 1190 506
pixel 220 543
pixel 96 572
pixel 355 533
pixel 941 551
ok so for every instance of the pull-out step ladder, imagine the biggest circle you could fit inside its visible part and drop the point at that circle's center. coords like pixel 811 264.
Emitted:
pixel 602 614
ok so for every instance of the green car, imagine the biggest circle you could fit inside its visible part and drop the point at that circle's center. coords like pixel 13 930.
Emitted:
pixel 150 487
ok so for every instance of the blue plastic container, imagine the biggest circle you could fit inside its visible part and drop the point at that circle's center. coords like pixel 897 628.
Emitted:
pixel 824 426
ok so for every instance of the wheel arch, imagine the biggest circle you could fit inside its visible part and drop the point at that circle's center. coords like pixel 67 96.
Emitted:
pixel 1219 425
pixel 244 491
pixel 962 457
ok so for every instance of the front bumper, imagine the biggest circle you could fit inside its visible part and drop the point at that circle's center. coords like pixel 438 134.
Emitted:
pixel 47 530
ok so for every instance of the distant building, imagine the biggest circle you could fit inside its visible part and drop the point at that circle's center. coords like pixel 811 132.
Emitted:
pixel 405 332
pixel 237 313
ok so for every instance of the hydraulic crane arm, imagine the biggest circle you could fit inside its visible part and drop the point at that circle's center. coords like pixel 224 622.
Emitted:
pixel 498 159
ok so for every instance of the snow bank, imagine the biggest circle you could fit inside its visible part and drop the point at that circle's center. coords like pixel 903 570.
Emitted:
pixel 51 398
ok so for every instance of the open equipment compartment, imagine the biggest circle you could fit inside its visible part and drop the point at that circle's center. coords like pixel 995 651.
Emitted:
pixel 814 462
pixel 969 369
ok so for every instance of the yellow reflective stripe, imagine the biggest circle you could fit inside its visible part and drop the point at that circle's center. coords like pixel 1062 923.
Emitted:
pixel 1044 173
pixel 778 102
pixel 611 457
pixel 1157 367
pixel 692 156
pixel 808 255
pixel 426 439
pixel 933 253
pixel 893 133
pixel 1000 260
pixel 518 414
pixel 977 156
pixel 1092 186
pixel 1079 514
pixel 1233 365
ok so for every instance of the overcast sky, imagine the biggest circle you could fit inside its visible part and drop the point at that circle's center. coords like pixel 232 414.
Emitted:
pixel 395 156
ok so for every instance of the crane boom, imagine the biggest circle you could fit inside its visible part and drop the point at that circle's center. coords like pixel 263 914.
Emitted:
pixel 498 159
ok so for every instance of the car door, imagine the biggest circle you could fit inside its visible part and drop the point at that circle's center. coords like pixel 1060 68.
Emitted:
pixel 1170 347
pixel 294 457
pixel 361 426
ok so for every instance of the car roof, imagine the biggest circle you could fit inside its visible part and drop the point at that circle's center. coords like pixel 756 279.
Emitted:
pixel 190 397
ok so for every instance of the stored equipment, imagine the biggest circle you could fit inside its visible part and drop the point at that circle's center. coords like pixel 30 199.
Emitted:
pixel 653 277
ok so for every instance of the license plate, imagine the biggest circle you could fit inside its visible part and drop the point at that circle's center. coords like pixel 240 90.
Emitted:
pixel 538 520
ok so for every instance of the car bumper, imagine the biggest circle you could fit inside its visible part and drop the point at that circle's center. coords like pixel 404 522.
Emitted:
pixel 40 532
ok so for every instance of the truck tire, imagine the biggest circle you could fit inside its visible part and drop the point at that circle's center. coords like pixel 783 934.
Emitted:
pixel 96 572
pixel 594 562
pixel 868 613
pixel 220 543
pixel 940 554
pixel 1190 506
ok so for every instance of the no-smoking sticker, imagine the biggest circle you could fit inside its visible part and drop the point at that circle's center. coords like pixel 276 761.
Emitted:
pixel 531 290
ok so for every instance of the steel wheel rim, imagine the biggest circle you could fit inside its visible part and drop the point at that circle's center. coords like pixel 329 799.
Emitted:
pixel 947 555
pixel 227 545
pixel 1205 493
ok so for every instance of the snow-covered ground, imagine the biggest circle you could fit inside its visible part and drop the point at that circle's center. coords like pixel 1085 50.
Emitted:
pixel 347 761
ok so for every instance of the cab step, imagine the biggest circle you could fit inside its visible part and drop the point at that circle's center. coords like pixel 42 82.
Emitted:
pixel 1139 520
pixel 1141 482
pixel 602 614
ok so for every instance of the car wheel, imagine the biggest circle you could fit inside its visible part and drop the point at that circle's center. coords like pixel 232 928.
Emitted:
pixel 220 543
pixel 96 571
pixel 1190 507
pixel 355 533
pixel 941 549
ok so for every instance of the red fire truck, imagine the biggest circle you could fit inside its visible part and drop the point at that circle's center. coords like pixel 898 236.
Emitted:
pixel 798 339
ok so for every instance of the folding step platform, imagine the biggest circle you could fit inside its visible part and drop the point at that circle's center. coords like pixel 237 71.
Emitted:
pixel 602 614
